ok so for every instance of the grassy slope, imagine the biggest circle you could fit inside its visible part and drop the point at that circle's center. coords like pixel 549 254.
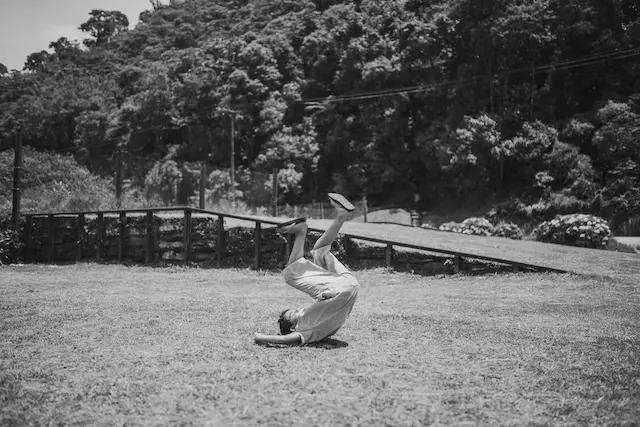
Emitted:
pixel 111 345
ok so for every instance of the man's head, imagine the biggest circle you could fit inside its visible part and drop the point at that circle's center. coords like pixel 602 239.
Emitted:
pixel 288 320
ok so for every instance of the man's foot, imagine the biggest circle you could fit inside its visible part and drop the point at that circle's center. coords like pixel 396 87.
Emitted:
pixel 340 203
pixel 294 226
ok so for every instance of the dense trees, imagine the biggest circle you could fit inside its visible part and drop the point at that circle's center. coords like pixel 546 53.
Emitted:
pixel 493 99
pixel 103 25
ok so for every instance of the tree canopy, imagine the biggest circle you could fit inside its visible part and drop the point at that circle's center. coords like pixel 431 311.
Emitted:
pixel 386 98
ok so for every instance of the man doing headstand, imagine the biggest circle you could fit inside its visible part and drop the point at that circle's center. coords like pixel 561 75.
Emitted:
pixel 325 279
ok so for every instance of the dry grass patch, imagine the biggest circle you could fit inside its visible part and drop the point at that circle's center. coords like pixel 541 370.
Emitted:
pixel 112 345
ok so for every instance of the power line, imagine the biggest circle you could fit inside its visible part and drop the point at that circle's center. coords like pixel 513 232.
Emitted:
pixel 550 67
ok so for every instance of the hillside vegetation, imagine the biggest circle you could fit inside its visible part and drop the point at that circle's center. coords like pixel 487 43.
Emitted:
pixel 535 101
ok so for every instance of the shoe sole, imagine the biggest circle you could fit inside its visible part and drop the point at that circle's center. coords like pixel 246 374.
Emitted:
pixel 342 201
pixel 290 223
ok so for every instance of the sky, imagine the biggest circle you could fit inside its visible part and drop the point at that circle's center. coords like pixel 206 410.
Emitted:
pixel 28 26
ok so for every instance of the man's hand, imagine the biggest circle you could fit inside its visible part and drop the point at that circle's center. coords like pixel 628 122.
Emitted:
pixel 289 339
pixel 261 337
pixel 327 295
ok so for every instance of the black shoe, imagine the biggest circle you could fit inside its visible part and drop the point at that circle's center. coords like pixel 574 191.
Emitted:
pixel 342 201
pixel 285 227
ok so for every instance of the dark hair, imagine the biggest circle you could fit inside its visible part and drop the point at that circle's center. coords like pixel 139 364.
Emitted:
pixel 284 323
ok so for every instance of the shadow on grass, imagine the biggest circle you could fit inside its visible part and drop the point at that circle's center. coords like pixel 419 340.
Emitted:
pixel 325 344
pixel 329 344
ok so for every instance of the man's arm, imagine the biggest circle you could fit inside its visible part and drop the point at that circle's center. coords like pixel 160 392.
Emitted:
pixel 289 339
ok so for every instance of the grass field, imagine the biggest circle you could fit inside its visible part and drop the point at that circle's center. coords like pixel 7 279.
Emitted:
pixel 111 345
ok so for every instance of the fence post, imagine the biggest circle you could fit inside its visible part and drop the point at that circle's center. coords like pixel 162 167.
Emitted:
pixel 387 255
pixel 17 167
pixel 274 192
pixel 257 237
pixel 187 236
pixel 203 183
pixel 50 241
pixel 79 236
pixel 119 160
pixel 99 230
pixel 457 264
pixel 27 238
pixel 220 240
pixel 366 207
pixel 122 227
pixel 415 218
pixel 148 256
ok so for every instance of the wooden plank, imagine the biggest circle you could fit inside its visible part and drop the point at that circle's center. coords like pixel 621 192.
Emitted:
pixel 220 241
pixel 457 264
pixel 148 246
pixel 79 236
pixel 28 228
pixel 396 242
pixel 51 237
pixel 257 238
pixel 187 236
pixel 387 255
pixel 99 233
pixel 122 230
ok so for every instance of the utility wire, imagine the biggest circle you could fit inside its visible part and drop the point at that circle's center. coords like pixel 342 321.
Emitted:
pixel 550 67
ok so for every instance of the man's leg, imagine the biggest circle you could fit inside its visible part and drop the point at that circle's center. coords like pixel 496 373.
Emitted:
pixel 300 233
pixel 301 273
pixel 331 233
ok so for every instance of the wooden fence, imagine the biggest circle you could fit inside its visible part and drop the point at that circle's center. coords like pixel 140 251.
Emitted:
pixel 148 225
pixel 48 246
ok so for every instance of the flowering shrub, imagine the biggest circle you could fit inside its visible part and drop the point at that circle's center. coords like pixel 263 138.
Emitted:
pixel 508 230
pixel 428 225
pixel 588 231
pixel 482 227
pixel 477 226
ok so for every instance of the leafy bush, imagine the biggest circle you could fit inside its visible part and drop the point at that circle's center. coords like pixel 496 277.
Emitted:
pixel 588 231
pixel 428 225
pixel 553 204
pixel 482 227
pixel 479 226
pixel 11 244
pixel 163 179
pixel 54 182
pixel 508 230
pixel 473 225
pixel 450 226
pixel 220 185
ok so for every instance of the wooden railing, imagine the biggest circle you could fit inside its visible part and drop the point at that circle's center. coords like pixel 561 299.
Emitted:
pixel 220 249
pixel 148 247
pixel 148 224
